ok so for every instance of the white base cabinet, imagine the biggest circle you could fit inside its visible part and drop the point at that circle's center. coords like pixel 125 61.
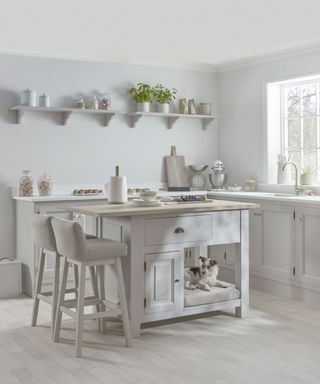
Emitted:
pixel 284 247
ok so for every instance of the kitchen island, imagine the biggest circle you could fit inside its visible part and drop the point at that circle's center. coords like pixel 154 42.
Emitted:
pixel 161 241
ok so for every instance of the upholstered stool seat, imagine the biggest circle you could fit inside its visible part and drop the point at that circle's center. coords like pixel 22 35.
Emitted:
pixel 102 248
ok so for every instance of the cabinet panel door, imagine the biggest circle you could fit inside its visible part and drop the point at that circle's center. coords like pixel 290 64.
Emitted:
pixel 255 239
pixel 307 256
pixel 277 240
pixel 162 282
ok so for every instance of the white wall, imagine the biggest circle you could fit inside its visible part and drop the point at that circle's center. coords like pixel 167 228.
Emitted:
pixel 84 152
pixel 242 105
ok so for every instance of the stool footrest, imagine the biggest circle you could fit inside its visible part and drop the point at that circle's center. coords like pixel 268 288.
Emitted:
pixel 91 300
pixel 94 315
pixel 45 296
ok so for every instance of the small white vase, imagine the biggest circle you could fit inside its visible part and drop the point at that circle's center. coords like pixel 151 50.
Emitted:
pixel 143 107
pixel 306 179
pixel 163 108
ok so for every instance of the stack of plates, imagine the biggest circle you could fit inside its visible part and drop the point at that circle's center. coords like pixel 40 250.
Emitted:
pixel 144 203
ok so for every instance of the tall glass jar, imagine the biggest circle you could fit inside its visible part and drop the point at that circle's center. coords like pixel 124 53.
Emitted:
pixel 26 184
pixel 45 185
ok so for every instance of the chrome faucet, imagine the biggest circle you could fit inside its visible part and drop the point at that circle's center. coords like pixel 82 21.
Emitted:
pixel 297 187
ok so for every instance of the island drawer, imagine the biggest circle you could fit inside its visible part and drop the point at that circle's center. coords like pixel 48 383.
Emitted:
pixel 226 227
pixel 177 230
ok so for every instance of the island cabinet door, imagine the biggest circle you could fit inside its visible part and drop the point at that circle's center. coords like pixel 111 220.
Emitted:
pixel 162 282
pixel 307 245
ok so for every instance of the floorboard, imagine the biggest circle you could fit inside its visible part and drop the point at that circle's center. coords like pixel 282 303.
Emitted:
pixel 278 343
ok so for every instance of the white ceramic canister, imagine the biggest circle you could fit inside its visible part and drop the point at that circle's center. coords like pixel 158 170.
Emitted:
pixel 28 97
pixel 205 109
pixel 116 190
pixel 44 100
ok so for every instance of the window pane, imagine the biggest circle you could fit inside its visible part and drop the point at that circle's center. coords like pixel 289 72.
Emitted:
pixel 310 161
pixel 309 98
pixel 292 97
pixel 309 132
pixel 294 133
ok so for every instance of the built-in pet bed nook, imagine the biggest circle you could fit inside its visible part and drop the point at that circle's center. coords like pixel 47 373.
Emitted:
pixel 196 297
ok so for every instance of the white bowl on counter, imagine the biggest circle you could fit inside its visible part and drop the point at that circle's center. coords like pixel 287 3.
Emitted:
pixel 234 188
pixel 148 195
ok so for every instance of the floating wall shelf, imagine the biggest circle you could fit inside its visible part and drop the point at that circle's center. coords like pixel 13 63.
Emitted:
pixel 171 117
pixel 134 117
pixel 65 112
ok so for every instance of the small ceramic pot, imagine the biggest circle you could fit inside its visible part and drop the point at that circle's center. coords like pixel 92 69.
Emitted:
pixel 163 108
pixel 143 107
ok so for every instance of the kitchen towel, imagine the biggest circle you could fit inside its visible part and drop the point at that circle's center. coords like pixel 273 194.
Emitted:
pixel 117 187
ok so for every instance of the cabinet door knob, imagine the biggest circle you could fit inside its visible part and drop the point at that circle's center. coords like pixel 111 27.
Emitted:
pixel 176 280
pixel 179 230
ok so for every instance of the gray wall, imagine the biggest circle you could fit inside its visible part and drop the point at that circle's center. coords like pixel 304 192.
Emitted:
pixel 242 104
pixel 85 152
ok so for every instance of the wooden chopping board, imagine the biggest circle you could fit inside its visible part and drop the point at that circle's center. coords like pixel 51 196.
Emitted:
pixel 176 170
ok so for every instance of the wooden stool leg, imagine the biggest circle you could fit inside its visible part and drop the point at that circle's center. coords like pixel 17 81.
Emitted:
pixel 38 288
pixel 63 284
pixel 80 309
pixel 95 287
pixel 102 296
pixel 123 304
pixel 76 278
pixel 55 291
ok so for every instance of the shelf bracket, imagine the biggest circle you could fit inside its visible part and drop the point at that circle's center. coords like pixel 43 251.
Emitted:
pixel 108 118
pixel 134 120
pixel 171 121
pixel 20 115
pixel 66 117
pixel 205 123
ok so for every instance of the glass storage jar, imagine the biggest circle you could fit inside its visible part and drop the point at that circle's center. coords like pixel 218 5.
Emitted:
pixel 105 102
pixel 45 185
pixel 26 184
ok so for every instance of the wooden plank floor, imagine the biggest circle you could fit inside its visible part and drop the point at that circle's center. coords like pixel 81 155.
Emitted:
pixel 278 343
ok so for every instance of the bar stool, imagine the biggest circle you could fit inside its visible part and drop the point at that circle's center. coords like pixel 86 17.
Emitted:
pixel 72 244
pixel 45 240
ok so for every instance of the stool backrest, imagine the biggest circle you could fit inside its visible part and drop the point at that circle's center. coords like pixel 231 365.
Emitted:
pixel 70 238
pixel 43 233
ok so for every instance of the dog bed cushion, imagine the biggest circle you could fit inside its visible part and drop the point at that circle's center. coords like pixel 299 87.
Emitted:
pixel 216 295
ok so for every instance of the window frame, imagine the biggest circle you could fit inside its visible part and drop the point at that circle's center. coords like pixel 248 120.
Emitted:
pixel 283 124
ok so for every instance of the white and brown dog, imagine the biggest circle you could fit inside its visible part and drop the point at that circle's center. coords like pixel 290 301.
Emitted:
pixel 204 276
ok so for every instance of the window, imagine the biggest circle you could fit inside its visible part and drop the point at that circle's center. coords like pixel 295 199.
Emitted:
pixel 300 125
pixel 294 125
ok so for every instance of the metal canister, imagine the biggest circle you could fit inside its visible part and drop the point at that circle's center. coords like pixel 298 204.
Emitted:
pixel 28 97
pixel 44 100
pixel 205 108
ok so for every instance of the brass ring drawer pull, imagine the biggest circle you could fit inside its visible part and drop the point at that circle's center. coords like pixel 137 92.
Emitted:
pixel 179 230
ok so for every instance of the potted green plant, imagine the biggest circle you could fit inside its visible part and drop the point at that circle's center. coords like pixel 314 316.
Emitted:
pixel 164 96
pixel 142 95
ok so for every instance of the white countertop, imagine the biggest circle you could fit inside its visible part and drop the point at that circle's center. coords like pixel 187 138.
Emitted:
pixel 118 210
pixel 69 197
pixel 272 196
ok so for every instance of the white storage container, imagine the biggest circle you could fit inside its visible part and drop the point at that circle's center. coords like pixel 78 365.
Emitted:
pixel 10 279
